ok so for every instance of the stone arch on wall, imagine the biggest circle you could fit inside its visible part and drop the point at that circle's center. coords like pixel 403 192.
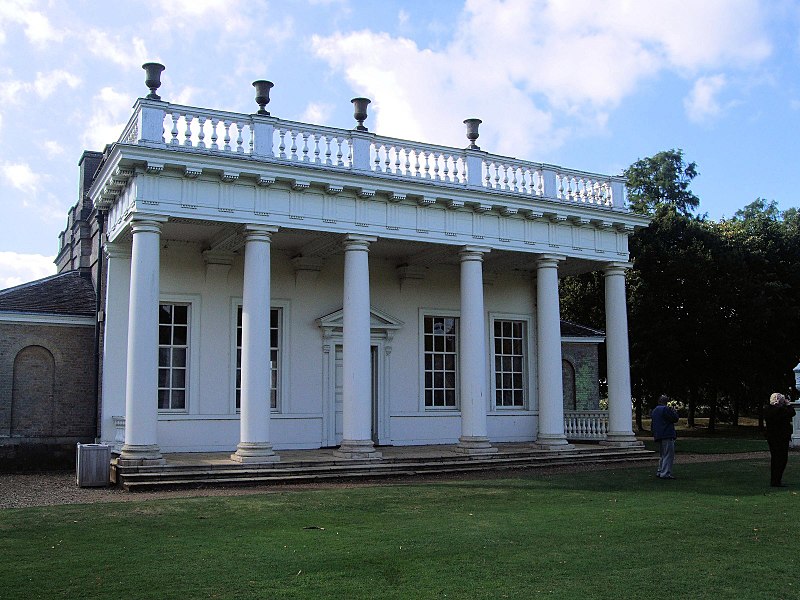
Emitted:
pixel 568 382
pixel 32 392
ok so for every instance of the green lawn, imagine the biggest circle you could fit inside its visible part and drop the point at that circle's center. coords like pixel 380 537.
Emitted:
pixel 716 532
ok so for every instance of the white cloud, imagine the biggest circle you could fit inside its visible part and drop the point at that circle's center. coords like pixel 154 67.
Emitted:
pixel 47 83
pixel 110 112
pixel 36 26
pixel 129 54
pixel 317 112
pixel 16 268
pixel 21 177
pixel 52 148
pixel 702 103
pixel 523 66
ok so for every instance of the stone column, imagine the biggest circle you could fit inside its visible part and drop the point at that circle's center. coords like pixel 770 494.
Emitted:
pixel 254 444
pixel 356 372
pixel 472 355
pixel 620 428
pixel 141 388
pixel 115 337
pixel 548 356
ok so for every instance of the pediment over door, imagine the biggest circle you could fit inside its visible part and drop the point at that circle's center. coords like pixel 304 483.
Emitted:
pixel 380 324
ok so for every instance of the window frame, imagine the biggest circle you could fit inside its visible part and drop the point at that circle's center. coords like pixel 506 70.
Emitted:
pixel 527 362
pixel 191 380
pixel 446 314
pixel 280 370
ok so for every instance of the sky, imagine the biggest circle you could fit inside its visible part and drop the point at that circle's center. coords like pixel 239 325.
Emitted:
pixel 587 84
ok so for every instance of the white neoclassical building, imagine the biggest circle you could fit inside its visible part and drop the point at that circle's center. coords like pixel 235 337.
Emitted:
pixel 279 285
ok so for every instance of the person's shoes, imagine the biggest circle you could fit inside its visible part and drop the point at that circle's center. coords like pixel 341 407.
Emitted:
pixel 667 477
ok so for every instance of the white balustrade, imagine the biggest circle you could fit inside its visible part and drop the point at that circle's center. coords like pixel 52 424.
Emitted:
pixel 585 424
pixel 419 161
pixel 210 131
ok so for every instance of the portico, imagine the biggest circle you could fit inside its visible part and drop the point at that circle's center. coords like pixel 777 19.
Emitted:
pixel 446 260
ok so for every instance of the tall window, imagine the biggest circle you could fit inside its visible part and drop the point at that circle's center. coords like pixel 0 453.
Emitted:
pixel 173 355
pixel 275 315
pixel 509 363
pixel 441 358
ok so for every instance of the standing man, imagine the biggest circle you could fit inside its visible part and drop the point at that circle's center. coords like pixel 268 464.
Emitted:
pixel 778 415
pixel 663 426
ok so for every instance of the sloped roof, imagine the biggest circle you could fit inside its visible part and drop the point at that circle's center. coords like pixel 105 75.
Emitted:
pixel 70 293
pixel 569 329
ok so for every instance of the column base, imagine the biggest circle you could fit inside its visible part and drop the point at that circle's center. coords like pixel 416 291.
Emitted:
pixel 552 442
pixel 357 449
pixel 132 455
pixel 254 453
pixel 621 440
pixel 474 445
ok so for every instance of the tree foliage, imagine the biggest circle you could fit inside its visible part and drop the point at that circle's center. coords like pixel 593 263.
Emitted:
pixel 714 307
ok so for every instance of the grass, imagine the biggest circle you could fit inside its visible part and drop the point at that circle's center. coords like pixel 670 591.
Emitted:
pixel 716 532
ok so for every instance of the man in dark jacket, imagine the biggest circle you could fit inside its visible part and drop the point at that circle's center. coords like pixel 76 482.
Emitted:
pixel 778 416
pixel 663 426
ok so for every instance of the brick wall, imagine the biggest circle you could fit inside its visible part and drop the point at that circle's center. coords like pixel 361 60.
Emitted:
pixel 584 361
pixel 46 383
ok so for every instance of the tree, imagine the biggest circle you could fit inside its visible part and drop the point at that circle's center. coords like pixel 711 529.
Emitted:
pixel 661 180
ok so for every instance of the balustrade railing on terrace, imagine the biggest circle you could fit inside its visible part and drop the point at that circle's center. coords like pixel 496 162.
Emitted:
pixel 585 424
pixel 269 139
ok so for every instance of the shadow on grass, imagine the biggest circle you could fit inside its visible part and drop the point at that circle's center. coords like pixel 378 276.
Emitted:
pixel 734 478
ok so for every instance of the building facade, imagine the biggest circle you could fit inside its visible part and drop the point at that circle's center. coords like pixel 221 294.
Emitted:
pixel 273 284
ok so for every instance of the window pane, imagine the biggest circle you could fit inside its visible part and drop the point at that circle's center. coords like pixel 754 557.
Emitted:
pixel 180 314
pixel 164 335
pixel 178 378
pixel 179 357
pixel 178 399
pixel 163 357
pixel 163 378
pixel 163 399
pixel 179 336
pixel 165 313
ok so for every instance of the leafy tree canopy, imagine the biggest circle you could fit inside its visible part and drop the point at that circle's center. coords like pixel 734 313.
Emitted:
pixel 661 180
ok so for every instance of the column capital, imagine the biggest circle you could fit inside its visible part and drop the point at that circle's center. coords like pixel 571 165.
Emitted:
pixel 257 232
pixel 357 241
pixel 616 268
pixel 147 222
pixel 473 252
pixel 544 261
pixel 116 250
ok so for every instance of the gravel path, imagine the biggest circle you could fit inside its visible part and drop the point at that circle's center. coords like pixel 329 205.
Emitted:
pixel 19 490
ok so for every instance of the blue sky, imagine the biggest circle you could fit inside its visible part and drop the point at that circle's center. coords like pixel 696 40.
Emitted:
pixel 588 84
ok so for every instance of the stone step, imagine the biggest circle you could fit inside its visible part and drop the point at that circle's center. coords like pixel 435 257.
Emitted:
pixel 178 476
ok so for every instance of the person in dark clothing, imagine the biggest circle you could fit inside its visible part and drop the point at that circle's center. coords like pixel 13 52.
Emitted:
pixel 778 416
pixel 663 425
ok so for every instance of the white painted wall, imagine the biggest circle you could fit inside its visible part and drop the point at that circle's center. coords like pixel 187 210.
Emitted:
pixel 210 422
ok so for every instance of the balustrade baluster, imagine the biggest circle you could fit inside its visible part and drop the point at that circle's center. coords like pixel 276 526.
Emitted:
pixel 436 156
pixel 226 126
pixel 417 168
pixel 339 142
pixel 187 135
pixel 214 137
pixel 239 138
pixel 305 147
pixel 201 134
pixel 397 160
pixel 446 167
pixel 174 132
pixel 407 163
pixel 282 146
pixel 316 149
pixel 388 160
pixel 328 153
pixel 293 149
